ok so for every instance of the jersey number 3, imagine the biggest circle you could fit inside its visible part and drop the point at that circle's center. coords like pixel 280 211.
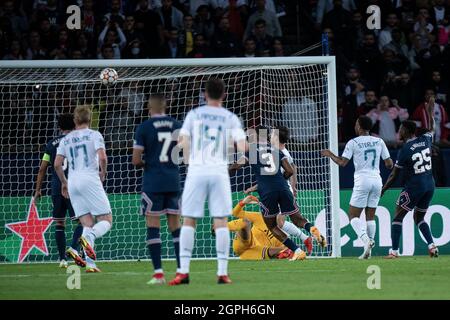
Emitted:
pixel 422 161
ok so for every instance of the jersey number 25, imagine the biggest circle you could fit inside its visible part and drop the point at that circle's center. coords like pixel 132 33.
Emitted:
pixel 422 161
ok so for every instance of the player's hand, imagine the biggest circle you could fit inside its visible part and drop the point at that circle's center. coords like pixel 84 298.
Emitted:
pixel 65 190
pixel 326 153
pixel 102 176
pixel 37 195
pixel 250 199
pixel 248 191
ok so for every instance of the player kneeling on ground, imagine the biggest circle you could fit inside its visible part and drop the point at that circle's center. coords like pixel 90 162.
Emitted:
pixel 161 183
pixel 85 150
pixel 253 240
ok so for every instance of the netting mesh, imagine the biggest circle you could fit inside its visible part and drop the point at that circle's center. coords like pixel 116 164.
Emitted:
pixel 31 99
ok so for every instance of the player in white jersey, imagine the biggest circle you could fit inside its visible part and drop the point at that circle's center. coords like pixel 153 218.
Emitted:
pixel 366 151
pixel 85 151
pixel 205 137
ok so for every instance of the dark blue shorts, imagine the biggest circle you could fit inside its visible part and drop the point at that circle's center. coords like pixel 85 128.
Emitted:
pixel 278 202
pixel 61 206
pixel 158 203
pixel 415 198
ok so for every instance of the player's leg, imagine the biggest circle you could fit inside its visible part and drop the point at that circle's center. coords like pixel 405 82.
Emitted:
pixel 192 207
pixel 88 221
pixel 292 230
pixel 59 216
pixel 396 231
pixel 77 232
pixel 152 208
pixel 419 215
pixel 220 207
pixel 173 220
pixel 371 227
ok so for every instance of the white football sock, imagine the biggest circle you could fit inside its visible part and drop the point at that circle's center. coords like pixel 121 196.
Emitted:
pixel 291 229
pixel 90 263
pixel 371 229
pixel 101 228
pixel 223 250
pixel 357 226
pixel 89 235
pixel 187 238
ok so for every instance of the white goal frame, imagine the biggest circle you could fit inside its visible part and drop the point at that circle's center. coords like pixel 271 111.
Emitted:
pixel 329 61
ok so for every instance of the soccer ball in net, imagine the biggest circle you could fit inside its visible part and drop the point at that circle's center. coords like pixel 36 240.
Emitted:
pixel 108 76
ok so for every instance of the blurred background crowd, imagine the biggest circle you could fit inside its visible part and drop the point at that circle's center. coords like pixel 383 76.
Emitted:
pixel 387 74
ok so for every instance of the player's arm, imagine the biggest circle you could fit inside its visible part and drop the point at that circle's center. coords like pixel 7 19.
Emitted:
pixel 251 189
pixel 242 162
pixel 288 169
pixel 293 180
pixel 136 159
pixel 238 210
pixel 340 161
pixel 138 149
pixel 391 179
pixel 59 161
pixel 41 175
pixel 386 156
pixel 103 163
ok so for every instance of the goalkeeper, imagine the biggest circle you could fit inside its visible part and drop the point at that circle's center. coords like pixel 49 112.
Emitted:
pixel 253 240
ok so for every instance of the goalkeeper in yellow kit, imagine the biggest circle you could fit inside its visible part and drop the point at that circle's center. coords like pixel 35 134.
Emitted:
pixel 253 240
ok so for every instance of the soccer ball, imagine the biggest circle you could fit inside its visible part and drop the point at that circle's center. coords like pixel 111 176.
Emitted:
pixel 108 76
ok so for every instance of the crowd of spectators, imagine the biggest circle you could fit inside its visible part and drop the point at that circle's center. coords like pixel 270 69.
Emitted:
pixel 387 74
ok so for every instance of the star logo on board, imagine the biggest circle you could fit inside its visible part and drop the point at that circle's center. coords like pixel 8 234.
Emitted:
pixel 31 231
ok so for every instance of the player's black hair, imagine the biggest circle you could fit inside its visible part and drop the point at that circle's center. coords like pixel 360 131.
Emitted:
pixel 410 126
pixel 65 121
pixel 215 88
pixel 283 134
pixel 365 123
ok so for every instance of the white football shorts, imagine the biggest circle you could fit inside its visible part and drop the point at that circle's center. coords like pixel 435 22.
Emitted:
pixel 366 193
pixel 87 195
pixel 199 188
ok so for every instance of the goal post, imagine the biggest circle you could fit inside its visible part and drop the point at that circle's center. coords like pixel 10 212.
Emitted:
pixel 297 92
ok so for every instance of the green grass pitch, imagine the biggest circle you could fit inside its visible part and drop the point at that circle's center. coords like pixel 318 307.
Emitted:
pixel 346 278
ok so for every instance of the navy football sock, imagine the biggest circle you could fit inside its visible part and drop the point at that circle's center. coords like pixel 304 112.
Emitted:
pixel 176 245
pixel 307 226
pixel 76 236
pixel 154 246
pixel 290 244
pixel 60 237
pixel 396 233
pixel 426 232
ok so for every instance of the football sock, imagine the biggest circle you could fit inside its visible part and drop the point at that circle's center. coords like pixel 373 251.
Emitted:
pixel 100 228
pixel 290 244
pixel 223 250
pixel 60 238
pixel 154 247
pixel 371 229
pixel 187 238
pixel 396 233
pixel 87 233
pixel 307 226
pixel 361 233
pixel 90 263
pixel 176 245
pixel 292 230
pixel 425 229
pixel 76 236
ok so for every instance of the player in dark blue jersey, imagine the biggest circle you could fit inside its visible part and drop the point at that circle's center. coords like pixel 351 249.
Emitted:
pixel 414 159
pixel 273 189
pixel 154 142
pixel 61 205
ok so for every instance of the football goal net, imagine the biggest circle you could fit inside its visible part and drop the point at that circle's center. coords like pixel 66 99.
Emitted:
pixel 296 92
